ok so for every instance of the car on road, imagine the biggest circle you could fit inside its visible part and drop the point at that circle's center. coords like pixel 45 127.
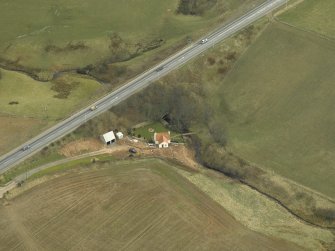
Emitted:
pixel 203 41
pixel 93 107
pixel 159 68
pixel 25 148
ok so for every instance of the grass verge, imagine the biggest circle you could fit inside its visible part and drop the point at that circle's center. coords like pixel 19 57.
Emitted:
pixel 257 211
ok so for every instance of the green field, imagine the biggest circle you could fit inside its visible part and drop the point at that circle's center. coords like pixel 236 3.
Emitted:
pixel 51 40
pixel 35 106
pixel 142 205
pixel 36 99
pixel 72 21
pixel 314 15
pixel 280 99
pixel 14 130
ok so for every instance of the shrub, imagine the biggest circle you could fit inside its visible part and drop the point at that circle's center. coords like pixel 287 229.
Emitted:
pixel 13 103
pixel 63 89
pixel 223 70
pixel 194 7
pixel 231 56
pixel 327 214
pixel 211 60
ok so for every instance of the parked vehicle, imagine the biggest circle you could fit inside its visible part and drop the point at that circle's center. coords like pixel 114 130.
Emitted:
pixel 132 150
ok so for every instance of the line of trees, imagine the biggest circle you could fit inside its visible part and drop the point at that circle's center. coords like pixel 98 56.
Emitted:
pixel 180 103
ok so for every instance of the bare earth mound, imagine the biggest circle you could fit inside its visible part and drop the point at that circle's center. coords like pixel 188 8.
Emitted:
pixel 142 205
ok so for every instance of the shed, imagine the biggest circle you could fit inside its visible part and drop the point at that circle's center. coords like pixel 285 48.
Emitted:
pixel 108 138
pixel 119 135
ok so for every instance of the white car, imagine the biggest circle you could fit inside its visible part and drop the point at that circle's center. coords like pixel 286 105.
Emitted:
pixel 94 107
pixel 203 41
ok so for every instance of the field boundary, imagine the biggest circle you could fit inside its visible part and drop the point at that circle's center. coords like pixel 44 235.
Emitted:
pixel 269 196
pixel 288 6
pixel 273 198
pixel 305 30
pixel 290 181
pixel 24 176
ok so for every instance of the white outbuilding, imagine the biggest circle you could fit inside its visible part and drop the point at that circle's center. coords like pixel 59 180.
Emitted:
pixel 119 135
pixel 108 138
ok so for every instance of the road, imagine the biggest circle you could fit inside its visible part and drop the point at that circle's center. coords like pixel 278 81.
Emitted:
pixel 143 80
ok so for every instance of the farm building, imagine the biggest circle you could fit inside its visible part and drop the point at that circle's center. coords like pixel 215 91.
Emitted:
pixel 162 139
pixel 108 138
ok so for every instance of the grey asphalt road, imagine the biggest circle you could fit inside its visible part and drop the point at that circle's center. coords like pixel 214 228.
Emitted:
pixel 37 143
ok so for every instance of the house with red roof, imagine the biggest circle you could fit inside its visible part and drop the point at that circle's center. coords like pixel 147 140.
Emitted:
pixel 162 139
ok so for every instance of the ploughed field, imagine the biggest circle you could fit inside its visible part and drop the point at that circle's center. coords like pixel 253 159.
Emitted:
pixel 128 205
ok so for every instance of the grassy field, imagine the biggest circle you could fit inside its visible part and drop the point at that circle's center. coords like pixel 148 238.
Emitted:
pixel 28 106
pixel 314 15
pixel 280 100
pixel 71 34
pixel 124 205
pixel 15 130
pixel 37 99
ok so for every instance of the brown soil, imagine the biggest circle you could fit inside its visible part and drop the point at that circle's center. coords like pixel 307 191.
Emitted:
pixel 180 153
pixel 81 146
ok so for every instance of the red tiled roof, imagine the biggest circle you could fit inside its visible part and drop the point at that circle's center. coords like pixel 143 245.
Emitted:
pixel 162 137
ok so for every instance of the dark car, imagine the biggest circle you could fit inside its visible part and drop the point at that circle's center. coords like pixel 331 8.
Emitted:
pixel 25 148
pixel 159 68
pixel 132 150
